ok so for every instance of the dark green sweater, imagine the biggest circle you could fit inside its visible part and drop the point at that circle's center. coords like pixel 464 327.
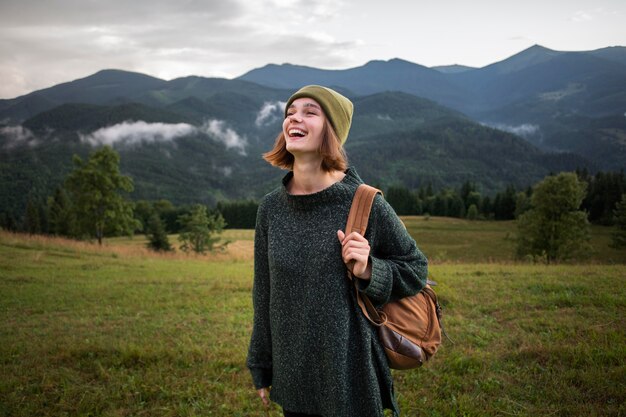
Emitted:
pixel 310 342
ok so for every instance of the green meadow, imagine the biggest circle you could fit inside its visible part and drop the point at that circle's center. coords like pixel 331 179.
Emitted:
pixel 120 331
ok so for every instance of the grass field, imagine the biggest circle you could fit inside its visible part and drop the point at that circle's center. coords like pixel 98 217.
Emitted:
pixel 118 331
pixel 448 239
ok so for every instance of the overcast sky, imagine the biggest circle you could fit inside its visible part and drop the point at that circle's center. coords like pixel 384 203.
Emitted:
pixel 45 42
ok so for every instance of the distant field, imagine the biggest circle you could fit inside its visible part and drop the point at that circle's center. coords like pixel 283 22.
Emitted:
pixel 119 331
pixel 458 240
pixel 442 239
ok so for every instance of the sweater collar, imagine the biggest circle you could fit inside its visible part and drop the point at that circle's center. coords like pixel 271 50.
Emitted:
pixel 339 191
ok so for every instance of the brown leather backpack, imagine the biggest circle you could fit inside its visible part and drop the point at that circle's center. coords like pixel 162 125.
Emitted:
pixel 410 328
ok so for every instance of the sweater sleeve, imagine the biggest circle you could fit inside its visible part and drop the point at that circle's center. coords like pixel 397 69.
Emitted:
pixel 260 350
pixel 399 268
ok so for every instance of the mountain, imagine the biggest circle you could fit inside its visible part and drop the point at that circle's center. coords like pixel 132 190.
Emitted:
pixel 185 153
pixel 534 55
pixel 109 87
pixel 452 69
pixel 399 139
pixel 105 86
pixel 612 53
pixel 197 139
pixel 373 77
pixel 538 74
pixel 533 92
pixel 89 117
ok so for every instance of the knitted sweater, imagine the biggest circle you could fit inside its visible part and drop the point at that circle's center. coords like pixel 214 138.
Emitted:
pixel 310 341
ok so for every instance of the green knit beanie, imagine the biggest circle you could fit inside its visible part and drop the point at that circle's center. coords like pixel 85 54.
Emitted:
pixel 337 108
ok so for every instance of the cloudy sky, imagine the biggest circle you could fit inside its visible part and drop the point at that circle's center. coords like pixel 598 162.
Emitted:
pixel 45 42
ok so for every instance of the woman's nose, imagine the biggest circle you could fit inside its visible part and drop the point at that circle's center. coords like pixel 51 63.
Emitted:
pixel 294 118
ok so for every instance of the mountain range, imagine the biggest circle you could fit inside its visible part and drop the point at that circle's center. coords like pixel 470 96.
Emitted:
pixel 197 139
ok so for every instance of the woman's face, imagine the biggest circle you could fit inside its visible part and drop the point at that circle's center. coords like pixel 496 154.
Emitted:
pixel 303 126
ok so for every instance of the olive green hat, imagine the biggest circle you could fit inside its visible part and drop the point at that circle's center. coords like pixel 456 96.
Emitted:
pixel 337 108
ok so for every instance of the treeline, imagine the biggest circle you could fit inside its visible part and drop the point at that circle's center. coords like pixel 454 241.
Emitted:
pixel 93 203
pixel 466 202
pixel 54 215
pixel 604 191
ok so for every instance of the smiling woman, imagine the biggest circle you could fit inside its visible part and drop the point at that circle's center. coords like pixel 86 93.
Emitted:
pixel 310 344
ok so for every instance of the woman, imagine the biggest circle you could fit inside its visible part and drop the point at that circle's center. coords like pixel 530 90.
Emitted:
pixel 310 343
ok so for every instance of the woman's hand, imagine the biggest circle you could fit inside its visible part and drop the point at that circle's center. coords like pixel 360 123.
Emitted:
pixel 264 394
pixel 356 254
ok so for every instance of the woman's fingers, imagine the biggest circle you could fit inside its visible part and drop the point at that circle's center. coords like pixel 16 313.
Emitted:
pixel 355 252
pixel 352 236
pixel 263 393
pixel 354 245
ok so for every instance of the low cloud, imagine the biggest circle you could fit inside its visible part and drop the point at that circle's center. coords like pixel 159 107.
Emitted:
pixel 132 133
pixel 226 171
pixel 525 130
pixel 270 112
pixel 218 130
pixel 17 133
pixel 17 136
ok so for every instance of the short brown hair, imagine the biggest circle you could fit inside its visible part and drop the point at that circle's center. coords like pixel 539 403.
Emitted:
pixel 334 156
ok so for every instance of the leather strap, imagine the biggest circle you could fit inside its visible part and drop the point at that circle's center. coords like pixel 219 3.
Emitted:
pixel 360 209
pixel 358 219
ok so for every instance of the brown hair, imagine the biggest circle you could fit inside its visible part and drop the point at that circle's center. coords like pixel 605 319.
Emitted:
pixel 334 157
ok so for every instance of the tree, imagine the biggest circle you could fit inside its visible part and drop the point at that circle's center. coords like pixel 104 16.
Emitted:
pixel 143 211
pixel 474 198
pixel 619 235
pixel 198 228
pixel 157 236
pixel 32 220
pixel 456 206
pixel 554 227
pixel 8 222
pixel 504 204
pixel 61 219
pixel 96 190
pixel 403 201
pixel 604 192
pixel 467 189
pixel 522 204
pixel 239 214
pixel 472 212
pixel 486 207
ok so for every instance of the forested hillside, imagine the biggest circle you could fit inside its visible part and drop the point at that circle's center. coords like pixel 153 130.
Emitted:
pixel 196 139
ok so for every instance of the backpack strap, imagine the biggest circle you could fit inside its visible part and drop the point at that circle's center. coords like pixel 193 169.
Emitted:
pixel 358 219
pixel 361 208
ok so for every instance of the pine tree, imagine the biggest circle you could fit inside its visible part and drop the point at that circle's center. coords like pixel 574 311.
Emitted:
pixel 61 220
pixel 619 235
pixel 472 212
pixel 403 201
pixel 198 228
pixel 32 220
pixel 157 237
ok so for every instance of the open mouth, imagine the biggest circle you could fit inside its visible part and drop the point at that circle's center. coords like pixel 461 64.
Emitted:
pixel 296 133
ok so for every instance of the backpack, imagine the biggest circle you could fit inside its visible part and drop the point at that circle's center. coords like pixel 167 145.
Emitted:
pixel 410 328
